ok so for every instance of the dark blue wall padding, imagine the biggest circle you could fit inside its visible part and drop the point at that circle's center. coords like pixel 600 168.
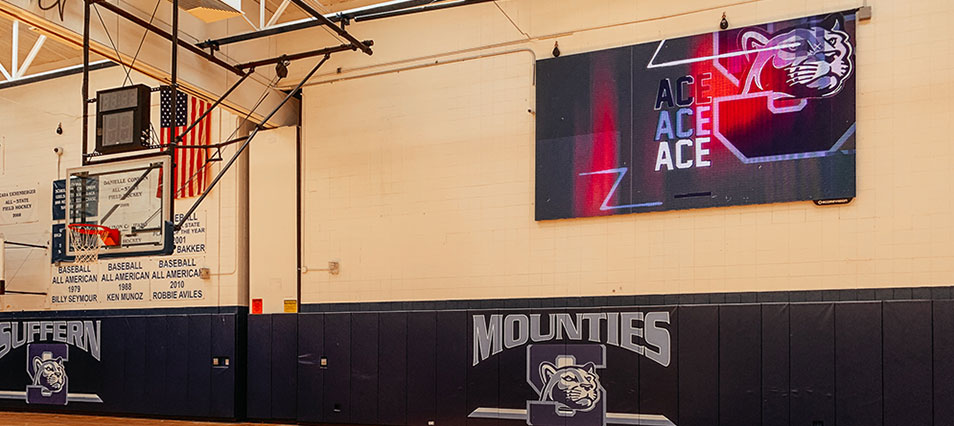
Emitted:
pixel 284 382
pixel 134 384
pixel 364 368
pixel 775 364
pixel 943 362
pixel 223 401
pixel 177 371
pixel 624 396
pixel 114 376
pixel 858 397
pixel 740 353
pixel 153 363
pixel 480 391
pixel 908 364
pixel 311 330
pixel 392 368
pixel 812 364
pixel 512 372
pixel 199 352
pixel 452 365
pixel 157 347
pixel 658 384
pixel 421 359
pixel 698 359
pixel 259 405
pixel 336 400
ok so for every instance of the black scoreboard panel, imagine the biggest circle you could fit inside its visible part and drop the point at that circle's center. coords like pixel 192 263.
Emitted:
pixel 122 119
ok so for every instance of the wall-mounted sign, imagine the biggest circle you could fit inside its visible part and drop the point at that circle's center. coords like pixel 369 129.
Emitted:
pixel 760 114
pixel 17 205
pixel 59 199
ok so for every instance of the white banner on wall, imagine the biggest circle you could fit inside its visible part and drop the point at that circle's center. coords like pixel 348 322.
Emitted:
pixel 18 205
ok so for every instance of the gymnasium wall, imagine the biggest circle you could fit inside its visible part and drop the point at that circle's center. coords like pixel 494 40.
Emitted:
pixel 454 306
pixel 131 341
pixel 27 161
pixel 419 176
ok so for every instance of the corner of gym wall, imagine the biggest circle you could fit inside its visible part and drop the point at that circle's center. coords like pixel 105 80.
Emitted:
pixel 419 176
pixel 31 114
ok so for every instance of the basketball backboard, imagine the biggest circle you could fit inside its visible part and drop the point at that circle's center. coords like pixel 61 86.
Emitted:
pixel 132 197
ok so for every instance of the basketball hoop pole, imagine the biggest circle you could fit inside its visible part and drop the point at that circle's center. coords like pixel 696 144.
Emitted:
pixel 85 90
pixel 173 142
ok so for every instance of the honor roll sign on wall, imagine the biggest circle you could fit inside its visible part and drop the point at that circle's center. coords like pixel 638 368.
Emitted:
pixel 760 114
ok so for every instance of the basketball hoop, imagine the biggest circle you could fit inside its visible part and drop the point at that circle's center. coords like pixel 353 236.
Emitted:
pixel 86 239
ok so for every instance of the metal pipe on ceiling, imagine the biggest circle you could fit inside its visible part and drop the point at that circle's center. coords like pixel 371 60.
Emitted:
pixel 165 34
pixel 302 55
pixel 354 14
pixel 419 9
pixel 340 30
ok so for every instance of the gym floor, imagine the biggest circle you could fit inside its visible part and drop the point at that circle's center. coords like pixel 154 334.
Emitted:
pixel 8 418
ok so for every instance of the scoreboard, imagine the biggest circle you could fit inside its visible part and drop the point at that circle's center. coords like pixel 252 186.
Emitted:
pixel 122 119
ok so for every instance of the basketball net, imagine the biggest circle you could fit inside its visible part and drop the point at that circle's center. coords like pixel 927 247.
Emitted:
pixel 86 240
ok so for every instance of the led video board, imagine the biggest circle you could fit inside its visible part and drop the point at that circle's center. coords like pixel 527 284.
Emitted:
pixel 753 115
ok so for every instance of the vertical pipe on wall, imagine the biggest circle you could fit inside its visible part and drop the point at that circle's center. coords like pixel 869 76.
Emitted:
pixel 85 89
pixel 298 186
pixel 175 115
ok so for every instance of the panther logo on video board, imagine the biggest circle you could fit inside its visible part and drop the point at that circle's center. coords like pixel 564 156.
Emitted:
pixel 45 364
pixel 811 62
pixel 789 69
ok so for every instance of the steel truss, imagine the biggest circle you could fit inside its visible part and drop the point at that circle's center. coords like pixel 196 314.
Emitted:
pixel 242 70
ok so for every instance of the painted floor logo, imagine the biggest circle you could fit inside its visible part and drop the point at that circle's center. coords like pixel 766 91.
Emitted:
pixel 567 381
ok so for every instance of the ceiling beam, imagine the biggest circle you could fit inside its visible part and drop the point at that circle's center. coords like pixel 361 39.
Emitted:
pixel 278 13
pixel 31 56
pixel 196 74
pixel 327 22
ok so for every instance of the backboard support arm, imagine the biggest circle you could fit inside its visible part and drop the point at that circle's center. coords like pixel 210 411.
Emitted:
pixel 244 146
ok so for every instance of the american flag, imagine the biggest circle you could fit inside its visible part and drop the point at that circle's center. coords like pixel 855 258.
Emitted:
pixel 189 179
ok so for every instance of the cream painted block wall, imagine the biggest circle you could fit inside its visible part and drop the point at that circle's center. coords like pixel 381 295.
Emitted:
pixel 421 181
pixel 273 218
pixel 30 114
